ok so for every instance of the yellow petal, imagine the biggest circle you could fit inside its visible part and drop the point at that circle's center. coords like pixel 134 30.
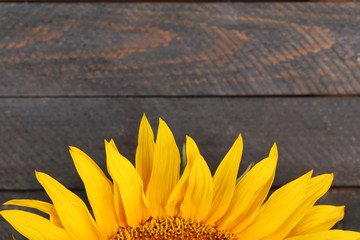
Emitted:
pixel 119 206
pixel 129 183
pixel 319 218
pixel 276 210
pixel 316 188
pixel 165 171
pixel 197 200
pixel 145 151
pixel 99 192
pixel 45 207
pixel 191 151
pixel 250 193
pixel 34 227
pixel 328 235
pixel 224 182
pixel 72 211
pixel 178 194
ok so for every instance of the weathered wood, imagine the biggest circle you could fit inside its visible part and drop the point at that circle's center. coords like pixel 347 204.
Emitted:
pixel 348 197
pixel 179 49
pixel 311 133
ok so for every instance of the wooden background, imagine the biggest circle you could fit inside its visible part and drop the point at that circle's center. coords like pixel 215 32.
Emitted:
pixel 76 74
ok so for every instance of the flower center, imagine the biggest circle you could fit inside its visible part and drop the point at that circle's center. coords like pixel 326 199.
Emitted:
pixel 171 228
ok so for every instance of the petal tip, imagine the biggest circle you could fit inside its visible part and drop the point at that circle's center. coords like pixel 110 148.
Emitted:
pixel 309 174
pixel 162 122
pixel 144 118
pixel 41 176
pixel 273 150
pixel 188 138
pixel 144 121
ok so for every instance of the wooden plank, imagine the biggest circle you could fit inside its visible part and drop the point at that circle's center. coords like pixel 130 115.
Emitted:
pixel 311 133
pixel 348 197
pixel 179 49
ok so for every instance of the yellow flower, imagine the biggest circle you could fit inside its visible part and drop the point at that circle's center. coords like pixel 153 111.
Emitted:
pixel 152 200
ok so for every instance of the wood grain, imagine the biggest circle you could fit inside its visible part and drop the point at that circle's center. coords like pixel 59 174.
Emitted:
pixel 338 197
pixel 311 133
pixel 228 49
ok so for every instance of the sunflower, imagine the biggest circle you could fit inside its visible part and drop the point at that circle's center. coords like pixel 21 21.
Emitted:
pixel 153 201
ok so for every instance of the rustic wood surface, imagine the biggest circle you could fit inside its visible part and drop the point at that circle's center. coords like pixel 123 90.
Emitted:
pixel 76 74
pixel 179 49
pixel 311 133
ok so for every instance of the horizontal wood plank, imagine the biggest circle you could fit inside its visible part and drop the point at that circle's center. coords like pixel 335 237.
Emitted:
pixel 179 49
pixel 311 133
pixel 338 197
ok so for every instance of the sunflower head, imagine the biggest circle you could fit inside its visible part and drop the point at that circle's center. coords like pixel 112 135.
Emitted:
pixel 154 201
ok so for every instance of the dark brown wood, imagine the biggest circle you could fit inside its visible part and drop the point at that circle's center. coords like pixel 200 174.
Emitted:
pixel 312 133
pixel 179 49
pixel 348 197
